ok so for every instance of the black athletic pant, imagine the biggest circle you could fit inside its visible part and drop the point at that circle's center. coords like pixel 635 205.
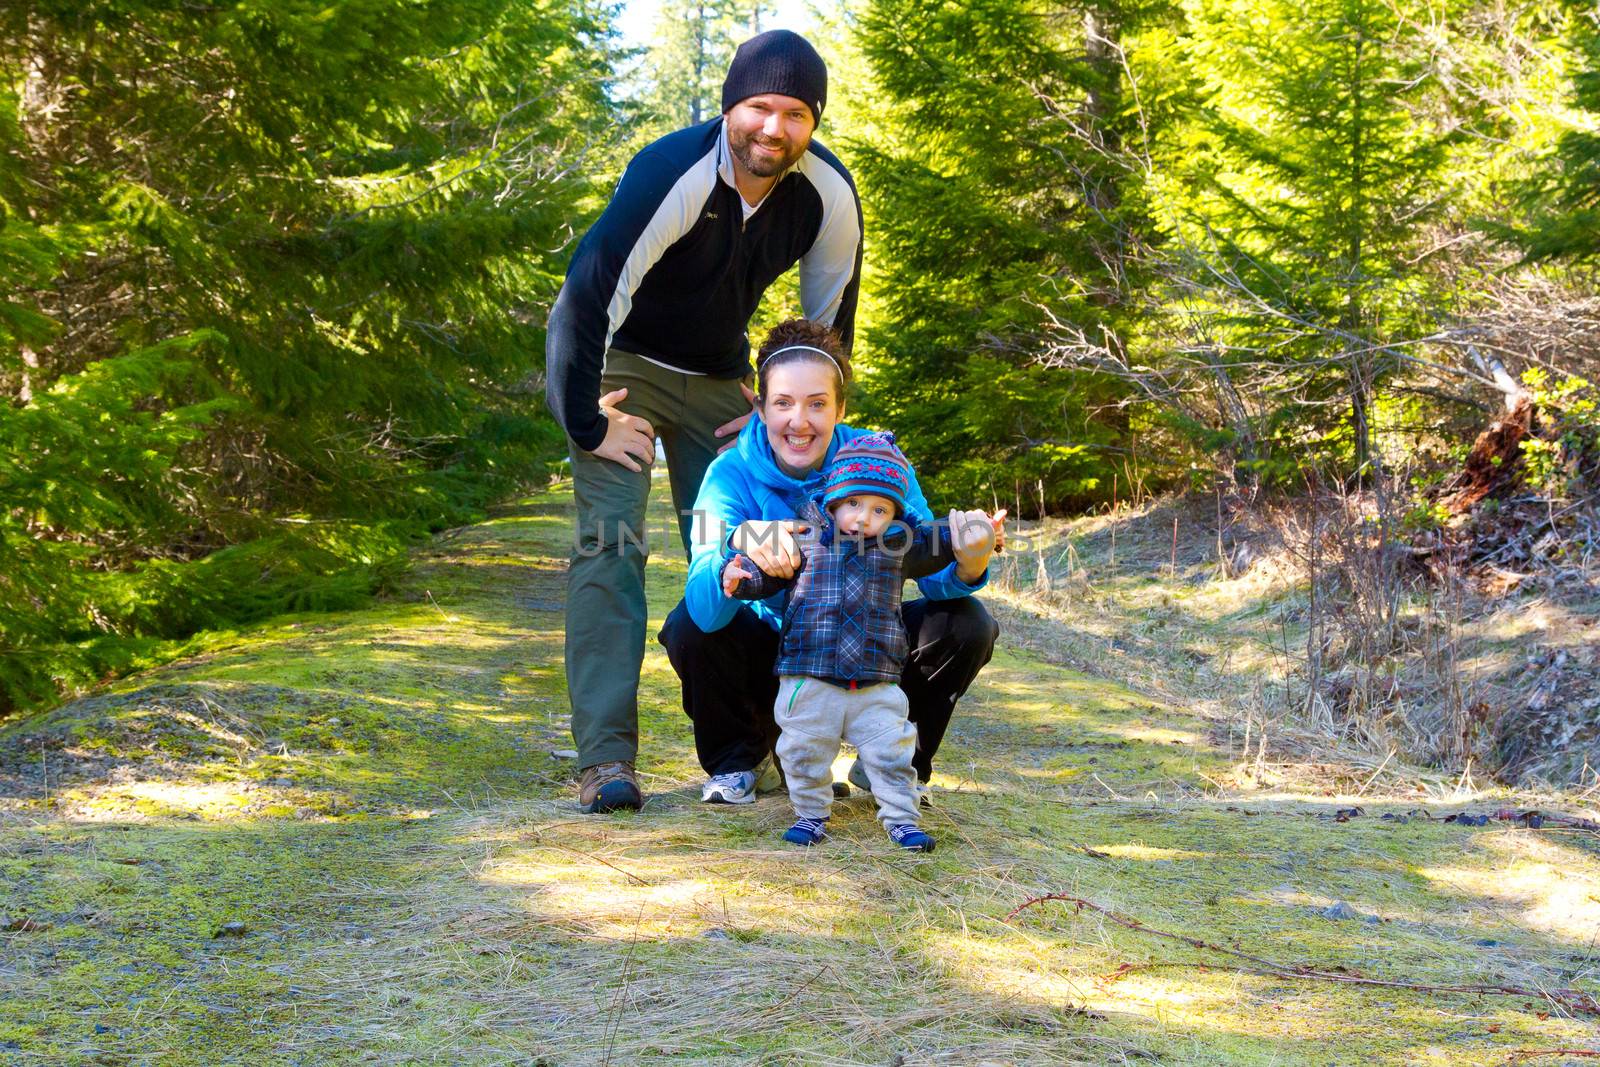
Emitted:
pixel 729 687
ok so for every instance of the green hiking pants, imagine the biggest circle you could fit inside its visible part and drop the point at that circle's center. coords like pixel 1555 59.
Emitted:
pixel 606 611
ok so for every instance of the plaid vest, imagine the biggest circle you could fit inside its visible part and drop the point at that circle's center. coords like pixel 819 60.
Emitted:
pixel 842 622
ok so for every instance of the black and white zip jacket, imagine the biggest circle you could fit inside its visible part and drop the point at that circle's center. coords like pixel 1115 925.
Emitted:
pixel 673 270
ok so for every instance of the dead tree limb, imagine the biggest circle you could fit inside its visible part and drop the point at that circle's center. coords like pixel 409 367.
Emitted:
pixel 1572 1000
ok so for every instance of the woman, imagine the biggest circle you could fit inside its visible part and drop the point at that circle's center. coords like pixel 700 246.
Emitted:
pixel 724 649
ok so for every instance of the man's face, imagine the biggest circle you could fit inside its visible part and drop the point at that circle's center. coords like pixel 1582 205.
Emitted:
pixel 769 133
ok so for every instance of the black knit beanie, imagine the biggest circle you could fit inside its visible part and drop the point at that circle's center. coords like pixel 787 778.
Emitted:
pixel 778 61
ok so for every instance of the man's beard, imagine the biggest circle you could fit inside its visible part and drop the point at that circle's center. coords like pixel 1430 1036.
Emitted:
pixel 761 166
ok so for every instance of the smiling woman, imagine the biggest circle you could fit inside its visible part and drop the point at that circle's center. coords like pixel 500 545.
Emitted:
pixel 800 390
pixel 724 649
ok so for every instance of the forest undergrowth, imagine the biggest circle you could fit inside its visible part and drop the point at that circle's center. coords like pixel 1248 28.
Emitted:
pixel 1265 616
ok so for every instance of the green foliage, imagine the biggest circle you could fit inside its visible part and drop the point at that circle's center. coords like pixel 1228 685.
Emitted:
pixel 1567 453
pixel 683 69
pixel 274 274
pixel 1566 199
pixel 986 207
pixel 1311 175
pixel 1217 235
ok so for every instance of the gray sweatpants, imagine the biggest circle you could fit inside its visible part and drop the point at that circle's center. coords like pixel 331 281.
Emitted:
pixel 815 716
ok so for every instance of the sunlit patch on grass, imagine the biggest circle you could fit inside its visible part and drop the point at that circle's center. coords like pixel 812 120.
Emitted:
pixel 608 892
pixel 190 800
pixel 1546 886
pixel 1047 774
pixel 1160 735
pixel 1146 852
pixel 1009 967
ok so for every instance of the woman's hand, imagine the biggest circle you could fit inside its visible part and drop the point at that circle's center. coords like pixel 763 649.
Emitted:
pixel 771 544
pixel 628 437
pixel 972 537
pixel 736 570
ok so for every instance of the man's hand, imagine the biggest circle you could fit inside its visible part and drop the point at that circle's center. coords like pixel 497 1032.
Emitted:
pixel 736 570
pixel 972 537
pixel 771 544
pixel 732 429
pixel 628 437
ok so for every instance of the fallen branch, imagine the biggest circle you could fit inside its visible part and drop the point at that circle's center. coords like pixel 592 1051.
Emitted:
pixel 1571 999
pixel 1530 1053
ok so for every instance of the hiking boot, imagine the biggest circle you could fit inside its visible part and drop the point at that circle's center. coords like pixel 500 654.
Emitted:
pixel 609 787
pixel 739 787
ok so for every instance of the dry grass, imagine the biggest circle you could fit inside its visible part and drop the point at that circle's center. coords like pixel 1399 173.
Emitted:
pixel 452 908
pixel 1457 680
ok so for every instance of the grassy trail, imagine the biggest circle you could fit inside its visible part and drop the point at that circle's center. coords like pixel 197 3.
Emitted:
pixel 351 839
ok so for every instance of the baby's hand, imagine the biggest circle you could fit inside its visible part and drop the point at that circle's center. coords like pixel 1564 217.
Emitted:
pixel 972 537
pixel 737 568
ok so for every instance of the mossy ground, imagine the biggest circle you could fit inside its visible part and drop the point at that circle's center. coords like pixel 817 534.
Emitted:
pixel 376 799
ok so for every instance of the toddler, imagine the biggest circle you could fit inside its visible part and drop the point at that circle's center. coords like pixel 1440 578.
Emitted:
pixel 843 643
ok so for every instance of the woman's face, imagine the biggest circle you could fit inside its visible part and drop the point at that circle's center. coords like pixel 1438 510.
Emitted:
pixel 800 410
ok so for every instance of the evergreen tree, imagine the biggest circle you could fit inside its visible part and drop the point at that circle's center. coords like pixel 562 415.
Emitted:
pixel 683 69
pixel 1568 220
pixel 999 200
pixel 1310 178
pixel 274 275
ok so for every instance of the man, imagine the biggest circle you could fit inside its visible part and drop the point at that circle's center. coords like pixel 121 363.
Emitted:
pixel 647 340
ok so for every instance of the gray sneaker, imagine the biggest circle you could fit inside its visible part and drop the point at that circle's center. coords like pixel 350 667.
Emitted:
pixel 769 779
pixel 858 778
pixel 736 788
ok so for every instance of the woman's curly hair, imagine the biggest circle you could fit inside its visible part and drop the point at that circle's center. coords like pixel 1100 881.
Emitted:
pixel 812 335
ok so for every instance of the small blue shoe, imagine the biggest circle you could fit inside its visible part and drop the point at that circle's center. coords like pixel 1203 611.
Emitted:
pixel 911 838
pixel 807 832
pixel 738 787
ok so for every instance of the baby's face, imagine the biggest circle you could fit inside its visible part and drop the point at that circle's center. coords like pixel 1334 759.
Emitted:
pixel 863 515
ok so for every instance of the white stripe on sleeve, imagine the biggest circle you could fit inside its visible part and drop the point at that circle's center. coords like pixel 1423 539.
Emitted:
pixel 830 263
pixel 676 216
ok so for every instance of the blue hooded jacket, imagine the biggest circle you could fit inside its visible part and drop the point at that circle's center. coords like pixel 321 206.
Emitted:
pixel 744 483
